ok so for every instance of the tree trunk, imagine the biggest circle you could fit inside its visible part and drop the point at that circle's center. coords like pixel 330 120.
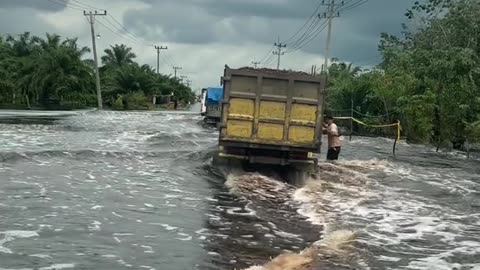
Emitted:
pixel 437 127
pixel 27 99
pixel 14 97
pixel 467 146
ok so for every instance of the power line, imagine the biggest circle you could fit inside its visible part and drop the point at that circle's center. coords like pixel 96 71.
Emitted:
pixel 74 5
pixel 269 60
pixel 78 5
pixel 125 30
pixel 268 54
pixel 354 5
pixel 306 34
pixel 86 5
pixel 121 36
pixel 122 32
pixel 313 16
pixel 64 5
pixel 310 38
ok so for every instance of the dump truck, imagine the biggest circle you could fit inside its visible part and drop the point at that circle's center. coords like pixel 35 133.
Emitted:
pixel 213 97
pixel 271 117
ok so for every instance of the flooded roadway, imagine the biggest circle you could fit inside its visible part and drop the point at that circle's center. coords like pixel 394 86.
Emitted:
pixel 134 190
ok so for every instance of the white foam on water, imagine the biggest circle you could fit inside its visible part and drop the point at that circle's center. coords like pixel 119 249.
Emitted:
pixel 9 236
pixel 95 226
pixel 184 237
pixel 58 266
pixel 117 215
pixel 166 226
pixel 42 256
pixel 287 235
pixel 149 205
pixel 123 234
pixel 109 256
pixel 396 217
pixel 237 211
pixel 148 249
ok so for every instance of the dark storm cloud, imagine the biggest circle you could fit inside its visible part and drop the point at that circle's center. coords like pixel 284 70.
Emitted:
pixel 34 4
pixel 233 8
pixel 356 32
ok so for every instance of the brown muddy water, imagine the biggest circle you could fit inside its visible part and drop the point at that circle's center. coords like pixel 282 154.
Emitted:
pixel 135 190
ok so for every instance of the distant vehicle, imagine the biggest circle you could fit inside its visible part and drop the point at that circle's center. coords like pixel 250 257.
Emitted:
pixel 203 102
pixel 271 117
pixel 211 104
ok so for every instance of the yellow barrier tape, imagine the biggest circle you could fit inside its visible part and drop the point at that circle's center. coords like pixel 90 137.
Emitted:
pixel 398 125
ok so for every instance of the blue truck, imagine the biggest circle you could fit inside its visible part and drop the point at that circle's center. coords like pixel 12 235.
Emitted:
pixel 212 96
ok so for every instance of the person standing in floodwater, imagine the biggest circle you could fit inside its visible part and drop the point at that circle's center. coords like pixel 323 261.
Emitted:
pixel 175 103
pixel 334 144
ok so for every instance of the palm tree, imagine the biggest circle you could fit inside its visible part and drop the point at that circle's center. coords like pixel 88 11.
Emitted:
pixel 57 72
pixel 24 45
pixel 131 78
pixel 118 55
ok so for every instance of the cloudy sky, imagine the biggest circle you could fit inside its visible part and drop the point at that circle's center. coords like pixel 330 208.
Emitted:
pixel 204 35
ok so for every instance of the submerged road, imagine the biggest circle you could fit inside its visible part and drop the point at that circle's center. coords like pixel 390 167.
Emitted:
pixel 135 190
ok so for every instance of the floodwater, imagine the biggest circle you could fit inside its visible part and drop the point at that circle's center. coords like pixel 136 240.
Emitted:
pixel 135 190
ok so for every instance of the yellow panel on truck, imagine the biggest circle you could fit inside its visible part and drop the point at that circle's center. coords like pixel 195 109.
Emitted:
pixel 271 116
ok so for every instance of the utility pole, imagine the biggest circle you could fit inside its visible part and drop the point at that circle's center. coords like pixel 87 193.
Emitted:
pixel 175 70
pixel 182 77
pixel 189 83
pixel 279 45
pixel 254 63
pixel 329 15
pixel 91 19
pixel 159 48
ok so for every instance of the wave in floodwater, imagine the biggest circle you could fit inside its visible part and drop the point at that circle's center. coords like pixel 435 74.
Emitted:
pixel 137 191
pixel 368 220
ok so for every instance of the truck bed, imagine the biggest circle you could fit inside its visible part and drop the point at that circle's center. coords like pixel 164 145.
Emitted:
pixel 271 110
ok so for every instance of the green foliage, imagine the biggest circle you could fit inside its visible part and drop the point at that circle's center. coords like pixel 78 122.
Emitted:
pixel 428 79
pixel 51 72
pixel 118 104
pixel 136 101
pixel 46 72
pixel 118 56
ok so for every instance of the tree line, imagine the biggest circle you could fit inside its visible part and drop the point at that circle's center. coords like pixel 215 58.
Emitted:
pixel 52 72
pixel 428 77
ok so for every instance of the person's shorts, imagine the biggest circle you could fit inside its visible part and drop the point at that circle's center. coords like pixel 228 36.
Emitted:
pixel 333 153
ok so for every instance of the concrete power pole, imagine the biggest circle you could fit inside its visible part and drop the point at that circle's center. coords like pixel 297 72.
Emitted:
pixel 159 48
pixel 175 70
pixel 279 45
pixel 255 64
pixel 189 83
pixel 91 19
pixel 329 15
pixel 183 77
